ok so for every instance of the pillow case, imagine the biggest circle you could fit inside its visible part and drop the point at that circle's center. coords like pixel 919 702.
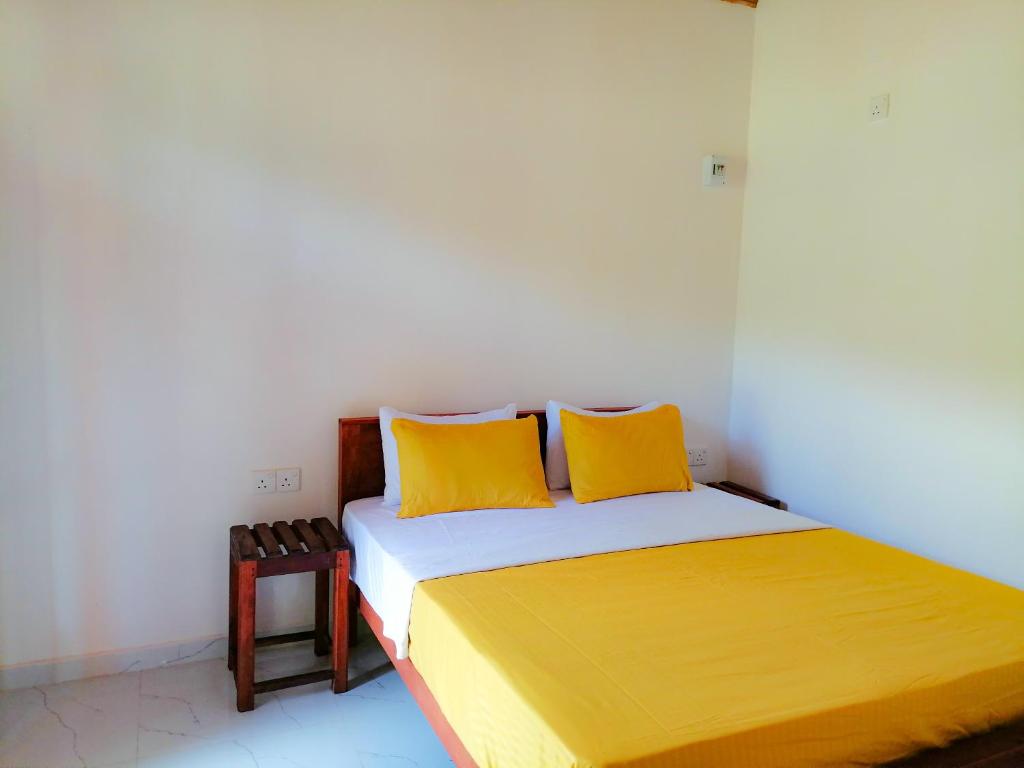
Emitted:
pixel 392 473
pixel 555 465
pixel 452 467
pixel 637 453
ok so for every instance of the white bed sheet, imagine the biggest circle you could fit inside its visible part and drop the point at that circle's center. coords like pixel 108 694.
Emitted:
pixel 392 555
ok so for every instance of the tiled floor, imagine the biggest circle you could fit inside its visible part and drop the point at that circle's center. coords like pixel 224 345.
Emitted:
pixel 184 715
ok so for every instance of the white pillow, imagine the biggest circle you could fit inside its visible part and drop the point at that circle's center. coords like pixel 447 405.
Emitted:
pixel 556 463
pixel 392 475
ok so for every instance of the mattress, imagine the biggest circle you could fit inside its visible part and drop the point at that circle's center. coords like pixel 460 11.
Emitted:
pixel 792 650
pixel 393 555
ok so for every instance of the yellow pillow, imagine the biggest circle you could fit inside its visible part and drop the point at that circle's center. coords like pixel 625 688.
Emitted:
pixel 625 455
pixel 451 467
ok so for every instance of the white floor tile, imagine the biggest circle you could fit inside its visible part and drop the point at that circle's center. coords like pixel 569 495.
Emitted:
pixel 184 715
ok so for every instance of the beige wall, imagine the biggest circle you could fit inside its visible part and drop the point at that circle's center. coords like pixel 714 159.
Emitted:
pixel 223 225
pixel 879 377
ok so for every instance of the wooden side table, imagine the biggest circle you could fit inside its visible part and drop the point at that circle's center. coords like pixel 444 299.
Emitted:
pixel 748 493
pixel 265 550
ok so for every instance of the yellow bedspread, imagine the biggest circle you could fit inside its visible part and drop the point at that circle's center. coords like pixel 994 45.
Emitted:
pixel 817 648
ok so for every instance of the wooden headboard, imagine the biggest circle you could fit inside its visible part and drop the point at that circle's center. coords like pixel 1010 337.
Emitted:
pixel 361 458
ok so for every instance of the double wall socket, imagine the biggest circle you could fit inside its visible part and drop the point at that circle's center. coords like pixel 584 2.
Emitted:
pixel 277 480
pixel 698 457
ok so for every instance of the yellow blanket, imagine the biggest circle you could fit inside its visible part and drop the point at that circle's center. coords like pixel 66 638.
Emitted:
pixel 817 648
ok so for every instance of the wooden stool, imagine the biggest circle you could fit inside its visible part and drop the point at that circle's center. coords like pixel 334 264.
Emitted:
pixel 265 550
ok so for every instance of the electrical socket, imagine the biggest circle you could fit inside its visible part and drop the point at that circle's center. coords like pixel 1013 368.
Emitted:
pixel 698 457
pixel 879 108
pixel 264 481
pixel 289 479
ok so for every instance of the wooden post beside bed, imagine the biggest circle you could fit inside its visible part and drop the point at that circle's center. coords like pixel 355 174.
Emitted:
pixel 361 475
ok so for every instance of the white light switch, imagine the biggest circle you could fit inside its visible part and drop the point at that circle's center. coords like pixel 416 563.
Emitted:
pixel 714 171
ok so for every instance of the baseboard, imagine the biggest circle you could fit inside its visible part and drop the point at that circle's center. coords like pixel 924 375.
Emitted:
pixel 61 670
pixel 67 668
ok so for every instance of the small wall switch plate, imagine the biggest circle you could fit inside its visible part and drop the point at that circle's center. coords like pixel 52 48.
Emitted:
pixel 879 108
pixel 698 457
pixel 264 481
pixel 289 479
pixel 714 171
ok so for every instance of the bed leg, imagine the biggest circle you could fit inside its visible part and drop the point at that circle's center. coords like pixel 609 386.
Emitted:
pixel 353 613
pixel 342 622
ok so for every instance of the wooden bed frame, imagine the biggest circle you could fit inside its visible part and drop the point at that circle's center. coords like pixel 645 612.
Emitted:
pixel 361 475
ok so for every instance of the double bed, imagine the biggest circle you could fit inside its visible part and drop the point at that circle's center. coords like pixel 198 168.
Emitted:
pixel 680 629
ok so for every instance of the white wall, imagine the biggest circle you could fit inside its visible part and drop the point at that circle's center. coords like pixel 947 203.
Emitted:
pixel 223 225
pixel 879 376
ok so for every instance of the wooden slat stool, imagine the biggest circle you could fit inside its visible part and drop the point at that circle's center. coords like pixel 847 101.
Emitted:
pixel 264 550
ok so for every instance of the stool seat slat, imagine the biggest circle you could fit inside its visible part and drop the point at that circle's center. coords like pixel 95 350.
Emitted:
pixel 267 540
pixel 243 545
pixel 327 532
pixel 308 536
pixel 285 535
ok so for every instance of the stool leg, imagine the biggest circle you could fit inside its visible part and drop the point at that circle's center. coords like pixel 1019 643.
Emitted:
pixel 232 611
pixel 321 638
pixel 339 638
pixel 246 654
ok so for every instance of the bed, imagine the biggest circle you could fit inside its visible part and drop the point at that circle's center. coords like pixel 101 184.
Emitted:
pixel 586 637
